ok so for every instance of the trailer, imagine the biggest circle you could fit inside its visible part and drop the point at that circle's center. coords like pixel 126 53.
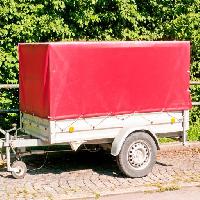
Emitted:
pixel 119 95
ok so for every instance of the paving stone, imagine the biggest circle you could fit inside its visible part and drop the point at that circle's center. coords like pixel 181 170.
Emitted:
pixel 87 175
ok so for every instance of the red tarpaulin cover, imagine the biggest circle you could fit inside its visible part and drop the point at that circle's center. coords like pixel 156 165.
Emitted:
pixel 85 79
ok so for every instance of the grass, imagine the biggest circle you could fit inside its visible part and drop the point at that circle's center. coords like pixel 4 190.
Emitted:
pixel 162 187
pixel 97 195
pixel 168 188
pixel 194 131
pixel 166 140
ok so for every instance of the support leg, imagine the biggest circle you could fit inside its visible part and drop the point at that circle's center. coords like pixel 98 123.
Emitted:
pixel 8 152
pixel 185 122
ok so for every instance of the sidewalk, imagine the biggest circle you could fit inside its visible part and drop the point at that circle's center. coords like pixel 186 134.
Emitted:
pixel 188 193
pixel 82 175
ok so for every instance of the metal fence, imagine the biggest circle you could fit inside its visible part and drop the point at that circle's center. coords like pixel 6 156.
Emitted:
pixel 9 86
pixel 16 86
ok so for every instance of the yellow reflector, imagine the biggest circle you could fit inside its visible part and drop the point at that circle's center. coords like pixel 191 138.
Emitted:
pixel 173 120
pixel 71 129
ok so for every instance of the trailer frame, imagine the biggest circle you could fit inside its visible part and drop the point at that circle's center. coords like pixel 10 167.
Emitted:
pixel 11 142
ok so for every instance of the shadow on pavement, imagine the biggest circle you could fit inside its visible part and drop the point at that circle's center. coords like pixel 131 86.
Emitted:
pixel 163 164
pixel 101 162
pixel 59 162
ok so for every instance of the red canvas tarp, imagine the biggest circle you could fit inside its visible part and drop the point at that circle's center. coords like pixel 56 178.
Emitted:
pixel 85 79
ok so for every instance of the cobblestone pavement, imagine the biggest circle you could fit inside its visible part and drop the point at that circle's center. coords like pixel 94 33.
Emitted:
pixel 87 174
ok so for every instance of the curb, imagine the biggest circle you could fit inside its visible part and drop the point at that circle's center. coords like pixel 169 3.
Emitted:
pixel 139 189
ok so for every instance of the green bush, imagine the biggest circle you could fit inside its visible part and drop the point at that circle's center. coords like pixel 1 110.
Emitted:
pixel 194 132
pixel 57 20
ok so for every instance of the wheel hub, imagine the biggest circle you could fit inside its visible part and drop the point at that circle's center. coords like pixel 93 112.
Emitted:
pixel 19 170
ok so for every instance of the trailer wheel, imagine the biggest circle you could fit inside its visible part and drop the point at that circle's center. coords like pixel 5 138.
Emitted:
pixel 21 169
pixel 138 155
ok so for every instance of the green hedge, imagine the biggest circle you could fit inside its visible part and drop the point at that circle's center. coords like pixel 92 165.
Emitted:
pixel 56 20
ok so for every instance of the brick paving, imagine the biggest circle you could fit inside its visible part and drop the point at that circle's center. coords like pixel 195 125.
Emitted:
pixel 68 175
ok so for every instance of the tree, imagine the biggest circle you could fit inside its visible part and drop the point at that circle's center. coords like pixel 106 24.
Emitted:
pixel 57 20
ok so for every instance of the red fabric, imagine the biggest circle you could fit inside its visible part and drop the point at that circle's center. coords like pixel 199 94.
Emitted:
pixel 85 79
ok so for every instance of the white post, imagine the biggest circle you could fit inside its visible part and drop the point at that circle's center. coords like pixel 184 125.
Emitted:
pixel 8 151
pixel 185 122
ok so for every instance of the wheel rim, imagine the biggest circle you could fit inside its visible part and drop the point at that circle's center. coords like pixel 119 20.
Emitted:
pixel 139 155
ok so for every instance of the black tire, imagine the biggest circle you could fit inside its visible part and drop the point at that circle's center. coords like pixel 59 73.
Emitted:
pixel 21 166
pixel 138 155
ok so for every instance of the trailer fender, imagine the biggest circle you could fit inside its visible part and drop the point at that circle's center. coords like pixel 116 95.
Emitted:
pixel 124 133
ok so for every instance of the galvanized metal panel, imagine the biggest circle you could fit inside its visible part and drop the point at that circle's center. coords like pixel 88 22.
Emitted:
pixel 59 131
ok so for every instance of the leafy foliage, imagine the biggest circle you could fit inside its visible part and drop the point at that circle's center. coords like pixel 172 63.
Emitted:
pixel 194 133
pixel 56 20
